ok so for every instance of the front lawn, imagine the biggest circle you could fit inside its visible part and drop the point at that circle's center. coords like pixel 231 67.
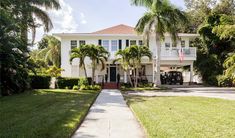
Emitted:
pixel 143 88
pixel 44 113
pixel 178 117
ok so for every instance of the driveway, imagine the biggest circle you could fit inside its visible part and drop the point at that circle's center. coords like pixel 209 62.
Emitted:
pixel 212 92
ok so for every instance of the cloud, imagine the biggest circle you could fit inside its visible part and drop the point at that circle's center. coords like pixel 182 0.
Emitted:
pixel 82 18
pixel 63 19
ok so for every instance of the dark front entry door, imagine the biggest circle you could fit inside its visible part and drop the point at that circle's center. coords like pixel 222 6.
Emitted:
pixel 112 74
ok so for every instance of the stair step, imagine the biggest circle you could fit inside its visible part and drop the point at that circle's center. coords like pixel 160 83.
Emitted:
pixel 110 86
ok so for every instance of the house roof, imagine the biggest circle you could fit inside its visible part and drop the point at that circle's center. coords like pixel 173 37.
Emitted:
pixel 118 29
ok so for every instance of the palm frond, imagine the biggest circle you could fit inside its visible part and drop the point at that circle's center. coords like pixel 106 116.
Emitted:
pixel 44 17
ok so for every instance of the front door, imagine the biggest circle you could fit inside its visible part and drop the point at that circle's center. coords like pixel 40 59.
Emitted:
pixel 112 74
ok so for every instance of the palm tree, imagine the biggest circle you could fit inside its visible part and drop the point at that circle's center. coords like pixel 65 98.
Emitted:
pixel 80 53
pixel 123 57
pixel 97 54
pixel 31 9
pixel 136 54
pixel 160 18
pixel 51 54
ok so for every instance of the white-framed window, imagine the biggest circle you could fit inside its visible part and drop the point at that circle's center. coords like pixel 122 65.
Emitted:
pixel 132 42
pixel 141 43
pixel 73 44
pixel 167 45
pixel 114 45
pixel 182 43
pixel 105 44
pixel 82 42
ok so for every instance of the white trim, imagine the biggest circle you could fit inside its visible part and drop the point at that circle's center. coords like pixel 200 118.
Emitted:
pixel 134 35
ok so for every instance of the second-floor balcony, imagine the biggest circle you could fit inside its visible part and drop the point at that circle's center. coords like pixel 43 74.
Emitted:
pixel 188 53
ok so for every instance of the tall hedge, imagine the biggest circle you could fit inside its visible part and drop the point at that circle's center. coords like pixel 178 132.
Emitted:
pixel 40 82
pixel 67 82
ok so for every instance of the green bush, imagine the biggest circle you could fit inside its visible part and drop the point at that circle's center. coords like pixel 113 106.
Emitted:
pixel 90 87
pixel 125 85
pixel 83 81
pixel 67 82
pixel 75 87
pixel 40 81
pixel 225 81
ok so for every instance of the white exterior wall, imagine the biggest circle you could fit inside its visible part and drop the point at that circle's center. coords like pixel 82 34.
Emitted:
pixel 167 57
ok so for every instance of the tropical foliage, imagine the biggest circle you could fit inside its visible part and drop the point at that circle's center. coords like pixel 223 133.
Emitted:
pixel 81 53
pixel 50 53
pixel 16 18
pixel 162 17
pixel 97 54
pixel 131 58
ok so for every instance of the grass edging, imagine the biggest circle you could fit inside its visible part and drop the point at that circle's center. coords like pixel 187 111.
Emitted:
pixel 84 116
pixel 136 117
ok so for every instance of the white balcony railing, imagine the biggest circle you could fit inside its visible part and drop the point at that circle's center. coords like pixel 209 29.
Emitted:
pixel 189 53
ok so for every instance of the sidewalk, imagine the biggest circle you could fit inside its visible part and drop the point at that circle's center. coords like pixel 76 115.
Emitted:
pixel 109 117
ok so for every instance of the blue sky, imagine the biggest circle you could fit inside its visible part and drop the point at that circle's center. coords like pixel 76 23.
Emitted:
pixel 93 15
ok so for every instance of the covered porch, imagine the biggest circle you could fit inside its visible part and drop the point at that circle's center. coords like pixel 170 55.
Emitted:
pixel 146 73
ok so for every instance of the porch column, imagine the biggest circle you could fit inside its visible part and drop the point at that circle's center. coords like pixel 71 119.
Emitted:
pixel 153 71
pixel 191 73
pixel 97 78
pixel 125 77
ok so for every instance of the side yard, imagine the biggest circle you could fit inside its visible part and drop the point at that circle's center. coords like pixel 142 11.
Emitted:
pixel 184 116
pixel 44 113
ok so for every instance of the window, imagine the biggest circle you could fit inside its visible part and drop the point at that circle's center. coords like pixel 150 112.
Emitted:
pixel 167 45
pixel 114 45
pixel 120 44
pixel 141 43
pixel 127 43
pixel 73 44
pixel 105 44
pixel 82 42
pixel 132 42
pixel 182 43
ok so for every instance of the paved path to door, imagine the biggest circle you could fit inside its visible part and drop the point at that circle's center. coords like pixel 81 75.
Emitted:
pixel 110 117
pixel 212 92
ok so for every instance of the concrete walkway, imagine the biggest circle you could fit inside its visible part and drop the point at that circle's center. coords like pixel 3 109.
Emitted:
pixel 211 92
pixel 109 117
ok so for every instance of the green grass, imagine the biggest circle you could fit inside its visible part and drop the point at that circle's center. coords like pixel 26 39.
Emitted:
pixel 143 88
pixel 178 117
pixel 44 113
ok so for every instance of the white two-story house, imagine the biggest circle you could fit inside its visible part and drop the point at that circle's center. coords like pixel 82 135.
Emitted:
pixel 120 37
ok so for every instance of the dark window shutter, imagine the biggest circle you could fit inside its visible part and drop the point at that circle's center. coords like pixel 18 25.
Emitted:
pixel 120 44
pixel 127 43
pixel 99 42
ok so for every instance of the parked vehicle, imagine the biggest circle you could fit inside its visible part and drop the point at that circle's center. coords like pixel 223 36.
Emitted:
pixel 172 77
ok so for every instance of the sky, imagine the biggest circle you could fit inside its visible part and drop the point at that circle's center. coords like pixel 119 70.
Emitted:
pixel 84 16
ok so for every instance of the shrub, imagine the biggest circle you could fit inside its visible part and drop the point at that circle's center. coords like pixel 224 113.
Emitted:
pixel 75 87
pixel 89 79
pixel 67 82
pixel 83 81
pixel 225 81
pixel 90 87
pixel 40 82
pixel 125 85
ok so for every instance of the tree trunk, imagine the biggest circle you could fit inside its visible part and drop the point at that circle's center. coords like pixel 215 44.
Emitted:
pixel 93 72
pixel 158 60
pixel 137 76
pixel 129 76
pixel 84 68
